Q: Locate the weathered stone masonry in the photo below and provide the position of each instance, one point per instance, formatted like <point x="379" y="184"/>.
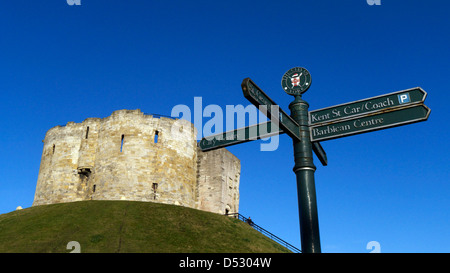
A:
<point x="133" y="156"/>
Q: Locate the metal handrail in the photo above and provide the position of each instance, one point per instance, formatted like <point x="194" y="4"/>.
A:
<point x="265" y="232"/>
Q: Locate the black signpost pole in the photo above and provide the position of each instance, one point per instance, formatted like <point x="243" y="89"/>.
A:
<point x="304" y="169"/>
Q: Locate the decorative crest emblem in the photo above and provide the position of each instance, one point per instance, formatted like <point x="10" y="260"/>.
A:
<point x="296" y="81"/>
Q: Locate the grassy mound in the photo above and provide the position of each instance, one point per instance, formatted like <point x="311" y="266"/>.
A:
<point x="128" y="226"/>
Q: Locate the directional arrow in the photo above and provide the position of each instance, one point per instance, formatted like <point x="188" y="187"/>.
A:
<point x="367" y="106"/>
<point x="256" y="96"/>
<point x="370" y="122"/>
<point x="254" y="132"/>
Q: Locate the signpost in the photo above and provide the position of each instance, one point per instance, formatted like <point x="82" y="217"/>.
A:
<point x="254" y="132"/>
<point x="368" y="123"/>
<point x="308" y="128"/>
<point x="256" y="96"/>
<point x="368" y="106"/>
<point x="320" y="153"/>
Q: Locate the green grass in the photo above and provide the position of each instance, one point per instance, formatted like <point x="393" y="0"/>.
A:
<point x="128" y="227"/>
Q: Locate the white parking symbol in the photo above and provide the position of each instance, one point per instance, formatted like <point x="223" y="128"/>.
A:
<point x="404" y="98"/>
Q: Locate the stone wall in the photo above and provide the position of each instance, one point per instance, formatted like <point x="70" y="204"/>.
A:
<point x="218" y="177"/>
<point x="132" y="156"/>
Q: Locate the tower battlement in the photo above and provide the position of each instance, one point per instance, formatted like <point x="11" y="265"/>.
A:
<point x="134" y="156"/>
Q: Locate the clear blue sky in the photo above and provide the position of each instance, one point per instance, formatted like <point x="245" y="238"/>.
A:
<point x="61" y="63"/>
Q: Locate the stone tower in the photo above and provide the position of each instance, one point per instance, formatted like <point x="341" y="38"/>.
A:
<point x="133" y="156"/>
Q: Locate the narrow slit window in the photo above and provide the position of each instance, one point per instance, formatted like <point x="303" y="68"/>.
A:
<point x="93" y="188"/>
<point x="154" y="187"/>
<point x="156" y="136"/>
<point x="121" y="143"/>
<point x="87" y="132"/>
<point x="53" y="151"/>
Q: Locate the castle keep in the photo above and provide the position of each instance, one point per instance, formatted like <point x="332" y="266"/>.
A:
<point x="133" y="156"/>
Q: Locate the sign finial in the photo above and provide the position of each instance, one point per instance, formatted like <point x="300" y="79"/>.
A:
<point x="296" y="81"/>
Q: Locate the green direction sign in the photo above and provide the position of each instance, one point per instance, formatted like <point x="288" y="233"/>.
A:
<point x="367" y="106"/>
<point x="320" y="153"/>
<point x="368" y="123"/>
<point x="254" y="132"/>
<point x="256" y="96"/>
